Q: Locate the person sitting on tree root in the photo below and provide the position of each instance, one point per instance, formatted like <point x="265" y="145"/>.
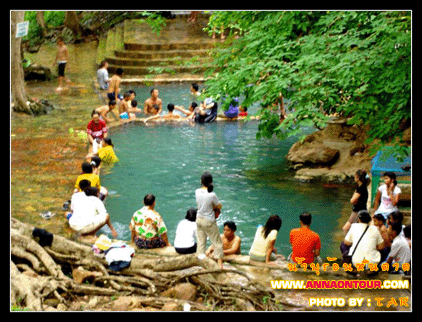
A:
<point x="147" y="227"/>
<point x="90" y="214"/>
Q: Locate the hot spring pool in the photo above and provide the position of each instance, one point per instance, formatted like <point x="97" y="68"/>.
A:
<point x="251" y="179"/>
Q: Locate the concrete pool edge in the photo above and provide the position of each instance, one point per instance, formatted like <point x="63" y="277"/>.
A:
<point x="163" y="79"/>
<point x="119" y="123"/>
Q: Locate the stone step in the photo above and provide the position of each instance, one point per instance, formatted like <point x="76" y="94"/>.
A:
<point x="170" y="46"/>
<point x="163" y="78"/>
<point x="146" y="70"/>
<point x="113" y="42"/>
<point x="101" y="50"/>
<point x="161" y="54"/>
<point x="180" y="51"/>
<point x="177" y="34"/>
<point x="115" y="39"/>
<point x="163" y="62"/>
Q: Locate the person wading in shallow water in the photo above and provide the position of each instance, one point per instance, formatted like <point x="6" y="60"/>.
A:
<point x="62" y="57"/>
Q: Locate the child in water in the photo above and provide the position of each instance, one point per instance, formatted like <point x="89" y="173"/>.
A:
<point x="106" y="152"/>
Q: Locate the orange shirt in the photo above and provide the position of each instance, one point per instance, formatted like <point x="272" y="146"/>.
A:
<point x="304" y="241"/>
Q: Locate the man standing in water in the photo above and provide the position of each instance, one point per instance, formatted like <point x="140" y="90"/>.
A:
<point x="114" y="86"/>
<point x="154" y="104"/>
<point x="62" y="58"/>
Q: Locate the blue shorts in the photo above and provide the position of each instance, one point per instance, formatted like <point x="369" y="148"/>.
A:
<point x="124" y="116"/>
<point x="112" y="97"/>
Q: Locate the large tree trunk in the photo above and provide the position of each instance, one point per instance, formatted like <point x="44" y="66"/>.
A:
<point x="21" y="103"/>
<point x="41" y="22"/>
<point x="17" y="78"/>
<point x="71" y="21"/>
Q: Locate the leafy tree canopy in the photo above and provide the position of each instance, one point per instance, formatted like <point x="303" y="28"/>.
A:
<point x="357" y="64"/>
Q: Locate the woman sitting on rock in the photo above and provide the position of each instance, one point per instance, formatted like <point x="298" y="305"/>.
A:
<point x="185" y="243"/>
<point x="263" y="249"/>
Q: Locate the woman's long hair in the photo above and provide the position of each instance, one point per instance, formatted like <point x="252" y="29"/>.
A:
<point x="274" y="222"/>
<point x="363" y="177"/>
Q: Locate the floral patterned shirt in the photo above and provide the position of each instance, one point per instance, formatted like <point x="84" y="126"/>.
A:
<point x="148" y="223"/>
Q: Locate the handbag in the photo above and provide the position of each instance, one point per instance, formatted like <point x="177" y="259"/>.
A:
<point x="217" y="213"/>
<point x="347" y="259"/>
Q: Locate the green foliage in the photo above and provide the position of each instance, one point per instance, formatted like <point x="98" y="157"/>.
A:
<point x="357" y="64"/>
<point x="52" y="19"/>
<point x="154" y="19"/>
<point x="17" y="308"/>
<point x="106" y="19"/>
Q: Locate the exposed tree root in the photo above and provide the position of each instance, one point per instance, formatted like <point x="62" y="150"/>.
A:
<point x="39" y="273"/>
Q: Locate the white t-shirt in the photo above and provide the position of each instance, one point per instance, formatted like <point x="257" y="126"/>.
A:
<point x="85" y="212"/>
<point x="400" y="250"/>
<point x="76" y="197"/>
<point x="367" y="248"/>
<point x="185" y="234"/>
<point x="386" y="205"/>
<point x="102" y="77"/>
<point x="206" y="201"/>
<point x="260" y="244"/>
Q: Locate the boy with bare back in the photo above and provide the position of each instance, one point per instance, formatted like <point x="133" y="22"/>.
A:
<point x="106" y="109"/>
<point x="126" y="109"/>
<point x="62" y="57"/>
<point x="114" y="87"/>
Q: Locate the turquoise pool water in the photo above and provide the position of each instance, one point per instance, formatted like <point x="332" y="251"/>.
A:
<point x="251" y="179"/>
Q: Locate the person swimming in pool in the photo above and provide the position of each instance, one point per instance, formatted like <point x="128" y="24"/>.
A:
<point x="166" y="117"/>
<point x="124" y="107"/>
<point x="207" y="111"/>
<point x="128" y="106"/>
<point x="154" y="104"/>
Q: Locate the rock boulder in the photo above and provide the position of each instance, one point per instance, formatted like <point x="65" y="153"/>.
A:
<point x="183" y="291"/>
<point x="314" y="152"/>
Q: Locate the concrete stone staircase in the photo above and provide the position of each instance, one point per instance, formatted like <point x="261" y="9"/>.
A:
<point x="179" y="53"/>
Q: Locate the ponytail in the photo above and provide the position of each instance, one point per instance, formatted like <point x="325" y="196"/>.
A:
<point x="363" y="177"/>
<point x="206" y="181"/>
<point x="392" y="176"/>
